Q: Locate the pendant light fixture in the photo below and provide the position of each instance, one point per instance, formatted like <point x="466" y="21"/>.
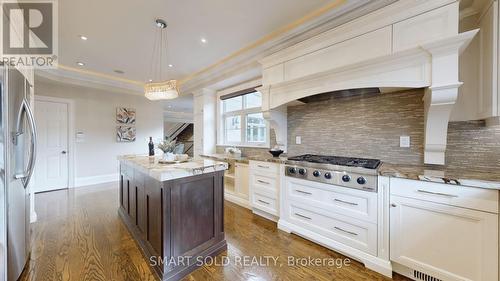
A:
<point x="156" y="88"/>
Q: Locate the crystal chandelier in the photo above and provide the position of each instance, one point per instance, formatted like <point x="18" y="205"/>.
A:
<point x="160" y="89"/>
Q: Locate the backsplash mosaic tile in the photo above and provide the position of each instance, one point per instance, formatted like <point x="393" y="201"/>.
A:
<point x="360" y="126"/>
<point x="370" y="126"/>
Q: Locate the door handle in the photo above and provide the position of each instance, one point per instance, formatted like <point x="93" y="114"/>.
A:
<point x="25" y="176"/>
<point x="345" y="231"/>
<point x="437" y="193"/>
<point x="63" y="152"/>
<point x="345" y="202"/>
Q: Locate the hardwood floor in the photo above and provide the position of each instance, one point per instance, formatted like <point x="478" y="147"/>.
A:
<point x="79" y="236"/>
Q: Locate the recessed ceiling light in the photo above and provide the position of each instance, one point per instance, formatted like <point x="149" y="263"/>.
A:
<point x="84" y="38"/>
<point x="170" y="65"/>
<point x="203" y="40"/>
<point x="80" y="63"/>
<point x="119" y="71"/>
<point x="150" y="80"/>
<point x="169" y="106"/>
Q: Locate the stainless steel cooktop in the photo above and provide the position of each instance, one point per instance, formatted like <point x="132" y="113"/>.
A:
<point x="359" y="173"/>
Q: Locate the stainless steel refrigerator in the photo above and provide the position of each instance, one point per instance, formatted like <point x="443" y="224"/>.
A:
<point x="17" y="159"/>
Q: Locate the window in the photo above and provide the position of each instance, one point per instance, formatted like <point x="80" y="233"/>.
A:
<point x="242" y="121"/>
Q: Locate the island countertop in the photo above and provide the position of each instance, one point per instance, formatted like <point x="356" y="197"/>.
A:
<point x="165" y="172"/>
<point x="173" y="211"/>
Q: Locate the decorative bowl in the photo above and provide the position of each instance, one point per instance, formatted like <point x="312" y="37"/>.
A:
<point x="276" y="153"/>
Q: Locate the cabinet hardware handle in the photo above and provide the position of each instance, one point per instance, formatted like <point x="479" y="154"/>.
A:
<point x="261" y="166"/>
<point x="437" y="193"/>
<point x="264" y="182"/>
<point x="261" y="201"/>
<point x="302" y="216"/>
<point x="345" y="202"/>
<point x="393" y="205"/>
<point x="346" y="231"/>
<point x="303" y="192"/>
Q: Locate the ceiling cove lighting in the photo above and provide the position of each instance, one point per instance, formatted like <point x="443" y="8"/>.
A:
<point x="158" y="89"/>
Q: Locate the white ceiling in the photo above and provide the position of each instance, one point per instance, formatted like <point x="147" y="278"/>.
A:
<point x="121" y="32"/>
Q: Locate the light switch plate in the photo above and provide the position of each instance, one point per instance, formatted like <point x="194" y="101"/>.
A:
<point x="298" y="140"/>
<point x="404" y="141"/>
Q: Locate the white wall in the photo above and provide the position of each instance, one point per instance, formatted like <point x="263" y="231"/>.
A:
<point x="95" y="116"/>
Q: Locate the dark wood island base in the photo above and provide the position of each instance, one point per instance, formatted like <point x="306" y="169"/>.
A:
<point x="177" y="223"/>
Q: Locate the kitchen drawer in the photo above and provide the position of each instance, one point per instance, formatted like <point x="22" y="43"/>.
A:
<point x="264" y="167"/>
<point x="346" y="230"/>
<point x="264" y="182"/>
<point x="262" y="201"/>
<point x="454" y="195"/>
<point x="346" y="201"/>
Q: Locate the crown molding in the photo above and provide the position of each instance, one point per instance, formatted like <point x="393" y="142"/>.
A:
<point x="247" y="62"/>
<point x="240" y="66"/>
<point x="78" y="77"/>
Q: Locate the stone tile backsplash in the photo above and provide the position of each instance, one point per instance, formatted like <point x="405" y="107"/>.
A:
<point x="473" y="145"/>
<point x="360" y="126"/>
<point x="370" y="126"/>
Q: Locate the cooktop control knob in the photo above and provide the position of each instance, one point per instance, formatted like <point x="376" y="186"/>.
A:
<point x="346" y="178"/>
<point x="361" y="180"/>
<point x="292" y="170"/>
<point x="316" y="173"/>
<point x="302" y="171"/>
<point x="328" y="175"/>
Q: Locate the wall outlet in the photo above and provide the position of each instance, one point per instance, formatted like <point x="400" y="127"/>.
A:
<point x="404" y="141"/>
<point x="298" y="140"/>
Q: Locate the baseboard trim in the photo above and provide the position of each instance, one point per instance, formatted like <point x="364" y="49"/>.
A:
<point x="236" y="200"/>
<point x="85" y="181"/>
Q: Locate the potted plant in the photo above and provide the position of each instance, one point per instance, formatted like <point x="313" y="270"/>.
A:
<point x="168" y="146"/>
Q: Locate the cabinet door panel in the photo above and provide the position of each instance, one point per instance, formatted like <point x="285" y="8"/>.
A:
<point x="488" y="40"/>
<point x="241" y="180"/>
<point x="140" y="202"/>
<point x="125" y="193"/>
<point x="132" y="207"/>
<point x="446" y="242"/>
<point x="154" y="215"/>
<point x="122" y="187"/>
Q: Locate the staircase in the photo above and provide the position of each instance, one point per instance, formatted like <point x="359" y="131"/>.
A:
<point x="175" y="130"/>
<point x="183" y="132"/>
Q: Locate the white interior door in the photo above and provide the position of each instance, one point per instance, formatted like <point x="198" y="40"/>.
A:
<point x="51" y="171"/>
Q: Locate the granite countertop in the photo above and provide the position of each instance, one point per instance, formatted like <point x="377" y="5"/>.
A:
<point x="164" y="172"/>
<point x="226" y="157"/>
<point x="246" y="159"/>
<point x="270" y="158"/>
<point x="489" y="179"/>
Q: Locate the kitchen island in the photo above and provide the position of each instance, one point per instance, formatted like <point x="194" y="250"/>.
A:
<point x="173" y="211"/>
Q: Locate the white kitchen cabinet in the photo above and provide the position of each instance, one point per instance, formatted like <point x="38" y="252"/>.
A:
<point x="264" y="188"/>
<point x="488" y="71"/>
<point x="236" y="184"/>
<point x="347" y="220"/>
<point x="479" y="96"/>
<point x="435" y="232"/>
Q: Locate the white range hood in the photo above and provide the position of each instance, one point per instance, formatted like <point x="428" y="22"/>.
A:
<point x="408" y="44"/>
